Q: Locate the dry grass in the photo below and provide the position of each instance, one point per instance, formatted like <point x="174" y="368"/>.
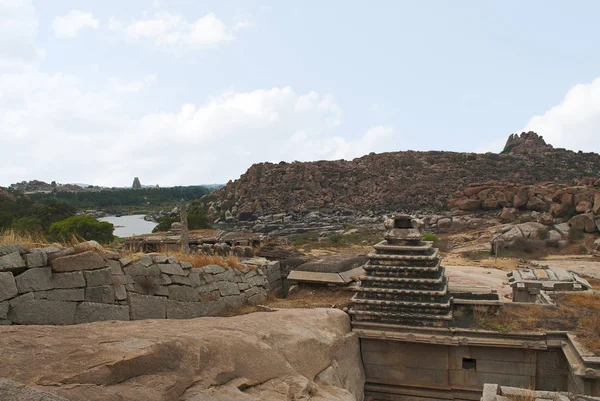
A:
<point x="308" y="297"/>
<point x="202" y="259"/>
<point x="30" y="240"/>
<point x="578" y="313"/>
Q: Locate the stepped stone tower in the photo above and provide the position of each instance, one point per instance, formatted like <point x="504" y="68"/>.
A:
<point x="136" y="183"/>
<point x="404" y="282"/>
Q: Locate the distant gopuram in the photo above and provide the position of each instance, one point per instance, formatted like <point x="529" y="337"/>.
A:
<point x="404" y="282"/>
<point x="136" y="183"/>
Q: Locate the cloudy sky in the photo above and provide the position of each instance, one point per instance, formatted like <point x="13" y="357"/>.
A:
<point x="183" y="92"/>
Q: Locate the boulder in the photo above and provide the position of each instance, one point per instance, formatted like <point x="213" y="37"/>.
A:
<point x="520" y="199"/>
<point x="583" y="207"/>
<point x="584" y="222"/>
<point x="8" y="287"/>
<point x="36" y="259"/>
<point x="36" y="279"/>
<point x="508" y="215"/>
<point x="12" y="262"/>
<point x="6" y="249"/>
<point x="195" y="359"/>
<point x="597" y="245"/>
<point x="596" y="207"/>
<point x="545" y="218"/>
<point x="88" y="260"/>
<point x="444" y="223"/>
<point x="468" y="205"/>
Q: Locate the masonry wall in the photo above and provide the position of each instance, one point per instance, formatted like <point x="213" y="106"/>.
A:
<point x="84" y="284"/>
<point x="430" y="371"/>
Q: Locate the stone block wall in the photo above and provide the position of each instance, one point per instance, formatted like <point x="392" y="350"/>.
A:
<point x="86" y="284"/>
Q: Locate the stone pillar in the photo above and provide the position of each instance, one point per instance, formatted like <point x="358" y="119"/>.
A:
<point x="185" y="238"/>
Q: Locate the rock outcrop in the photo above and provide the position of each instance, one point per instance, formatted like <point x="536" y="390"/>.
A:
<point x="387" y="182"/>
<point x="288" y="354"/>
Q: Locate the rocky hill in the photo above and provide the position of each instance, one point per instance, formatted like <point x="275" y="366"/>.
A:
<point x="386" y="182"/>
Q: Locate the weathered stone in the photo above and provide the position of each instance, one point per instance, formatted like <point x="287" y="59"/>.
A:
<point x="14" y="391"/>
<point x="147" y="307"/>
<point x="228" y="288"/>
<point x="195" y="279"/>
<point x="36" y="259"/>
<point x="183" y="293"/>
<point x="562" y="228"/>
<point x="68" y="280"/>
<point x="159" y="258"/>
<point x="4" y="309"/>
<point x="257" y="298"/>
<point x="186" y="265"/>
<point x="227" y="275"/>
<point x="6" y="249"/>
<point x="207" y="288"/>
<point x="60" y="253"/>
<point x="89" y="260"/>
<point x="596" y="207"/>
<point x="583" y="222"/>
<point x="12" y="261"/>
<point x="94" y="278"/>
<point x="545" y="219"/>
<point x="8" y="287"/>
<point x="36" y="279"/>
<point x="213" y="269"/>
<point x="597" y="245"/>
<point x="87" y="312"/>
<point x="43" y="312"/>
<point x="174" y="269"/>
<point x="21" y="298"/>
<point x="124" y="261"/>
<point x="520" y="199"/>
<point x="172" y="260"/>
<point x="71" y="294"/>
<point x="508" y="214"/>
<point x="160" y="290"/>
<point x="120" y="292"/>
<point x="104" y="294"/>
<point x="583" y="207"/>
<point x="140" y="269"/>
<point x="233" y="301"/>
<point x="115" y="267"/>
<point x="190" y="310"/>
<point x="181" y="280"/>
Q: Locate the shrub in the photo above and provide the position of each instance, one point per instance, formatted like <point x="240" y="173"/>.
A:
<point x="27" y="225"/>
<point x="85" y="227"/>
<point x="335" y="239"/>
<point x="430" y="237"/>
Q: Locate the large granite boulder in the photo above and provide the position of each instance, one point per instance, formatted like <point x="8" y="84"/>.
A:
<point x="583" y="222"/>
<point x="306" y="353"/>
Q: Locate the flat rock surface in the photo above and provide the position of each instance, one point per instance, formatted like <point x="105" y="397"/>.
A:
<point x="480" y="276"/>
<point x="156" y="360"/>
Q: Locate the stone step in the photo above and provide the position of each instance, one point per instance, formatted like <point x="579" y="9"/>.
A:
<point x="377" y="302"/>
<point x="376" y="266"/>
<point x="388" y="315"/>
<point x="384" y="246"/>
<point x="377" y="256"/>
<point x="405" y="291"/>
<point x="410" y="280"/>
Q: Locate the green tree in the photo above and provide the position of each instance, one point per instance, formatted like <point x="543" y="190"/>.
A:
<point x="27" y="225"/>
<point x="85" y="227"/>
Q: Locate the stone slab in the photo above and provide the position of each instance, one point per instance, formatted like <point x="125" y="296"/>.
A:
<point x="181" y="280"/>
<point x="89" y="260"/>
<point x="8" y="287"/>
<point x="352" y="275"/>
<point x="190" y="310"/>
<point x="174" y="269"/>
<point x="94" y="278"/>
<point x="103" y="294"/>
<point x="21" y="298"/>
<point x="68" y="280"/>
<point x="70" y="294"/>
<point x="183" y="293"/>
<point x="43" y="312"/>
<point x="314" y="277"/>
<point x="36" y="279"/>
<point x="213" y="269"/>
<point x="147" y="307"/>
<point x="228" y="288"/>
<point x="87" y="312"/>
<point x="4" y="309"/>
<point x="6" y="249"/>
<point x="12" y="261"/>
<point x="36" y="259"/>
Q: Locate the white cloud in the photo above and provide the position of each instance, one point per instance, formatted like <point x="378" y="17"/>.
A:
<point x="575" y="122"/>
<point x="57" y="130"/>
<point x="133" y="86"/>
<point x="175" y="34"/>
<point x="69" y="25"/>
<point x="18" y="27"/>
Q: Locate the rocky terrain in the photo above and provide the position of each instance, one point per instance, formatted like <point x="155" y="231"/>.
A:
<point x="289" y="354"/>
<point x="376" y="184"/>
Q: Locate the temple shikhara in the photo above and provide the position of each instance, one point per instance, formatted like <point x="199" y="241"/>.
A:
<point x="404" y="282"/>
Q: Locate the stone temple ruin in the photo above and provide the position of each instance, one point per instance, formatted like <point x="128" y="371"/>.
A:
<point x="404" y="282"/>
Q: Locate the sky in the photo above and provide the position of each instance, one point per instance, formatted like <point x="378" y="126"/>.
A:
<point x="188" y="92"/>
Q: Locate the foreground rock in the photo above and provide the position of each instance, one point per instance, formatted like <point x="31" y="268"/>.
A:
<point x="289" y="354"/>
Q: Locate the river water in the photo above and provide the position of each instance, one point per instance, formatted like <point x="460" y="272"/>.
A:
<point x="126" y="226"/>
